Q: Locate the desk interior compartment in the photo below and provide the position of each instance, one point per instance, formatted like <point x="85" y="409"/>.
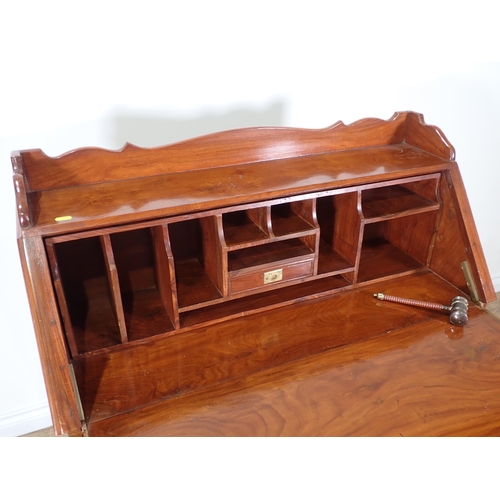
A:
<point x="272" y="253"/>
<point x="402" y="199"/>
<point x="85" y="297"/>
<point x="293" y="218"/>
<point x="199" y="261"/>
<point x="246" y="227"/>
<point x="144" y="276"/>
<point x="396" y="246"/>
<point x="339" y="224"/>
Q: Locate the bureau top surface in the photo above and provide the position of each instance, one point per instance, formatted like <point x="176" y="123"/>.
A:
<point x="100" y="204"/>
<point x="90" y="188"/>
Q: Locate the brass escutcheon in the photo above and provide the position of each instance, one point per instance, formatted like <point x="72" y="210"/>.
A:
<point x="273" y="276"/>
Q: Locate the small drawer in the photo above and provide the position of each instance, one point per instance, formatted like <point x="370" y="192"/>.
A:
<point x="243" y="281"/>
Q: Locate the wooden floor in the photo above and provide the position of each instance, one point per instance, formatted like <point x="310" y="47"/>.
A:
<point x="398" y="383"/>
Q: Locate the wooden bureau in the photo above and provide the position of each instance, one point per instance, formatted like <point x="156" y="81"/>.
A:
<point x="224" y="285"/>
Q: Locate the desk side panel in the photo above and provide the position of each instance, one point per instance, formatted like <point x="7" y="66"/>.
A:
<point x="457" y="240"/>
<point x="63" y="400"/>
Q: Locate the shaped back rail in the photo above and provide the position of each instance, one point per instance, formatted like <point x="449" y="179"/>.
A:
<point x="233" y="147"/>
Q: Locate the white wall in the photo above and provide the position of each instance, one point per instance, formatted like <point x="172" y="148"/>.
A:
<point x="100" y="73"/>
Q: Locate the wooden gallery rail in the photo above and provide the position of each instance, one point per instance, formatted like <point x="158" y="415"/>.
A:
<point x="225" y="285"/>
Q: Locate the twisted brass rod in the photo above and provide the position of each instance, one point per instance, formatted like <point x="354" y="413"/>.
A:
<point x="412" y="302"/>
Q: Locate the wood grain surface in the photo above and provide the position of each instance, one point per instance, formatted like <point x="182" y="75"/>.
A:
<point x="429" y="379"/>
<point x="224" y="285"/>
<point x="128" y="200"/>
<point x="168" y="370"/>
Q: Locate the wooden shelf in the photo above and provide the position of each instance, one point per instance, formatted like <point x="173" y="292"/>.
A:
<point x="175" y="193"/>
<point x="393" y="201"/>
<point x="277" y="251"/>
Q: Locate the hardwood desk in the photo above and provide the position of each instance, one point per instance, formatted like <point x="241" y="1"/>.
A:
<point x="224" y="285"/>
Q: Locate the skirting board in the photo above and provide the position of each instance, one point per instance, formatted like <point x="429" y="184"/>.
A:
<point x="25" y="420"/>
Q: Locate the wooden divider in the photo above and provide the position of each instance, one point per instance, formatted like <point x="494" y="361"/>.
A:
<point x="114" y="284"/>
<point x="165" y="272"/>
<point x="61" y="299"/>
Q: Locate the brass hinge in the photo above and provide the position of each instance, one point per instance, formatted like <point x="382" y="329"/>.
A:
<point x="75" y="388"/>
<point x="470" y="282"/>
